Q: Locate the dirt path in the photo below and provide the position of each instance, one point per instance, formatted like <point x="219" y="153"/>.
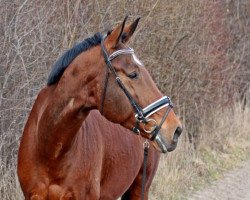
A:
<point x="234" y="186"/>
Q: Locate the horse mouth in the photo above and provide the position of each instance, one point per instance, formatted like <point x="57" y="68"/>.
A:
<point x="162" y="146"/>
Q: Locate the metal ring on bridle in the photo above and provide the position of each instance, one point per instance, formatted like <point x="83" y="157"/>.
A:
<point x="152" y="128"/>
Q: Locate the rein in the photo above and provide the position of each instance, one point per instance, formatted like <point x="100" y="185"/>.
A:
<point x="144" y="172"/>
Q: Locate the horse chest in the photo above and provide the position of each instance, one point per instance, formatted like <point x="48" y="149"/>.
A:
<point x="83" y="184"/>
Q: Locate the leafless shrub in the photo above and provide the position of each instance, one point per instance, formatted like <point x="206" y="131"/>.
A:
<point x="197" y="51"/>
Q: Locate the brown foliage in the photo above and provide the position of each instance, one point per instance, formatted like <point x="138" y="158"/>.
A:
<point x="197" y="51"/>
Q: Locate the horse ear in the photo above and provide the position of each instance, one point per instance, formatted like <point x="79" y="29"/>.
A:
<point x="129" y="30"/>
<point x="114" y="37"/>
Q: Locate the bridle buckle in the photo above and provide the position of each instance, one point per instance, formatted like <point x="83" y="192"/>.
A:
<point x="146" y="144"/>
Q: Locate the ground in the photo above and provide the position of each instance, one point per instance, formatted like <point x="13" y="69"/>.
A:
<point x="234" y="186"/>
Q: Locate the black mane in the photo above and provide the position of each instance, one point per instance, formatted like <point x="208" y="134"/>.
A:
<point x="63" y="62"/>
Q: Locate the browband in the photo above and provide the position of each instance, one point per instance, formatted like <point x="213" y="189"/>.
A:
<point x="121" y="52"/>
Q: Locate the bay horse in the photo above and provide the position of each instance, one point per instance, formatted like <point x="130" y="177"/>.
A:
<point x="77" y="142"/>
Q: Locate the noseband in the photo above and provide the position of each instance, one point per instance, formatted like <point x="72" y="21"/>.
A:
<point x="141" y="115"/>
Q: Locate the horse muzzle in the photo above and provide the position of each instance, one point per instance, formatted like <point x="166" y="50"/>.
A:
<point x="164" y="146"/>
<point x="153" y="129"/>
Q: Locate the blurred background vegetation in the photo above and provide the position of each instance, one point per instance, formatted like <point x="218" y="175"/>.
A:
<point x="198" y="52"/>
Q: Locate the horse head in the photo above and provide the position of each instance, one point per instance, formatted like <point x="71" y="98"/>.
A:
<point x="128" y="94"/>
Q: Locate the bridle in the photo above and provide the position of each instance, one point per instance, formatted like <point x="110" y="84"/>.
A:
<point x="141" y="115"/>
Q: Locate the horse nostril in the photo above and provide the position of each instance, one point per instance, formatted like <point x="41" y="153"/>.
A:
<point x="177" y="132"/>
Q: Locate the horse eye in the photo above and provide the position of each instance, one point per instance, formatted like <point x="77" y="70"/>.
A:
<point x="133" y="75"/>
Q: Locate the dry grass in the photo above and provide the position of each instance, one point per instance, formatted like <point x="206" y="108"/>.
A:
<point x="225" y="142"/>
<point x="9" y="184"/>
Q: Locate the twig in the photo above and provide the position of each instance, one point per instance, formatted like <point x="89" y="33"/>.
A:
<point x="176" y="44"/>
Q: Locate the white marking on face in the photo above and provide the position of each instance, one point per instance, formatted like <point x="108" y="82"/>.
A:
<point x="137" y="61"/>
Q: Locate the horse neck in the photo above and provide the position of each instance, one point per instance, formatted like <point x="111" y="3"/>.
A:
<point x="63" y="111"/>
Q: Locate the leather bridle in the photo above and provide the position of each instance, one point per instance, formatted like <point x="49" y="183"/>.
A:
<point x="141" y="115"/>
